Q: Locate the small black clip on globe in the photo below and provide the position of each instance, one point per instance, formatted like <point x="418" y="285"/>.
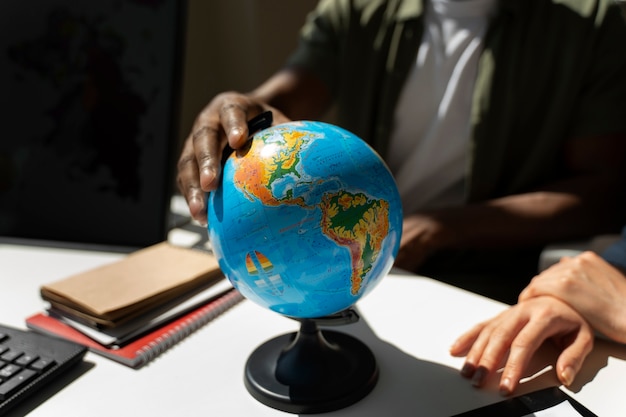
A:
<point x="259" y="122"/>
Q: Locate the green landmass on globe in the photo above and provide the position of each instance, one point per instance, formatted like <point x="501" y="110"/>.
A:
<point x="360" y="224"/>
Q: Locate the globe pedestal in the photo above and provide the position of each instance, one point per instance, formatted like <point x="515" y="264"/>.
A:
<point x="311" y="371"/>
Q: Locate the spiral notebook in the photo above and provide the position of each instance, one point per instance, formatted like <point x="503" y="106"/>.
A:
<point x="144" y="349"/>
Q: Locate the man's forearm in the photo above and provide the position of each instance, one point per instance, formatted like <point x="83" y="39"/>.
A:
<point x="572" y="209"/>
<point x="297" y="94"/>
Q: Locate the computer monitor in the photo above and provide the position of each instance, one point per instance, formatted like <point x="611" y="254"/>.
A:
<point x="89" y="105"/>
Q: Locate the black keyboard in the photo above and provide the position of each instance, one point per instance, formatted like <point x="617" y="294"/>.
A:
<point x="29" y="361"/>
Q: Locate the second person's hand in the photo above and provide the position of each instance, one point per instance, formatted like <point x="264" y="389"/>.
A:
<point x="589" y="284"/>
<point x="512" y="337"/>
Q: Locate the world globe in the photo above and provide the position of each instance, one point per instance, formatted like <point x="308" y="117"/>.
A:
<point x="307" y="219"/>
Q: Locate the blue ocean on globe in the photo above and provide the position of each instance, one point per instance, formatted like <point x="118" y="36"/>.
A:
<point x="307" y="220"/>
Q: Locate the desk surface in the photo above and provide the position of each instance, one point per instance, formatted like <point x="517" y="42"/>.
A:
<point x="408" y="321"/>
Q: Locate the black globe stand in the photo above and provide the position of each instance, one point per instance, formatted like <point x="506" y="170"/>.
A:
<point x="311" y="371"/>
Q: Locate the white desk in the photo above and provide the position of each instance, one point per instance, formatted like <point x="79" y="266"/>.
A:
<point x="408" y="322"/>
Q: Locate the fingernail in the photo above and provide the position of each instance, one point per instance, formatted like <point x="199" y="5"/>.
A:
<point x="506" y="387"/>
<point x="196" y="204"/>
<point x="468" y="370"/>
<point x="195" y="201"/>
<point x="567" y="376"/>
<point x="208" y="172"/>
<point x="235" y="132"/>
<point x="207" y="176"/>
<point x="479" y="376"/>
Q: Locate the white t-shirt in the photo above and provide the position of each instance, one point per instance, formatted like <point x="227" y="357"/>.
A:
<point x="429" y="143"/>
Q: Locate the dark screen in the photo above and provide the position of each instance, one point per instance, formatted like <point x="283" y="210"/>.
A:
<point x="88" y="110"/>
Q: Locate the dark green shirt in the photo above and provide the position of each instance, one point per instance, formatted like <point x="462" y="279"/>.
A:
<point x="550" y="70"/>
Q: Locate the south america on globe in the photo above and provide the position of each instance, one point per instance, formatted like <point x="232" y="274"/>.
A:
<point x="307" y="219"/>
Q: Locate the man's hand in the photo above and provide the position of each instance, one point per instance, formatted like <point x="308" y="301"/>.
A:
<point x="223" y="121"/>
<point x="297" y="94"/>
<point x="421" y="237"/>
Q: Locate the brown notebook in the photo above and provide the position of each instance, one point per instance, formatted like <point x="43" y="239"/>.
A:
<point x="114" y="293"/>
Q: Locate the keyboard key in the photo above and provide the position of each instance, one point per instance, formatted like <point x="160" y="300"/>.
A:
<point x="42" y="364"/>
<point x="26" y="359"/>
<point x="11" y="355"/>
<point x="8" y="371"/>
<point x="11" y="386"/>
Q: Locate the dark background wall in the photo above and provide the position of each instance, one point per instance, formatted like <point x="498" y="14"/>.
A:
<point x="235" y="45"/>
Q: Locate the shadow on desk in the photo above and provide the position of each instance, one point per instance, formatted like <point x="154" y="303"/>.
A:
<point x="596" y="361"/>
<point x="63" y="381"/>
<point x="410" y="386"/>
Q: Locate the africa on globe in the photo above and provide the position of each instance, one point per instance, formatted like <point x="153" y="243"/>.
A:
<point x="307" y="220"/>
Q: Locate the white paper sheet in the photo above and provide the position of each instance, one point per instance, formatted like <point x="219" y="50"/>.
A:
<point x="563" y="409"/>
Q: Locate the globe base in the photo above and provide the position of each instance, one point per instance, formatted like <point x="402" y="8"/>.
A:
<point x="311" y="371"/>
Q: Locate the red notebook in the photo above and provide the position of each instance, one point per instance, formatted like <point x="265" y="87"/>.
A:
<point x="139" y="352"/>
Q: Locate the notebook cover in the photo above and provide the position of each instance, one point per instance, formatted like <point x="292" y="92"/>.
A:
<point x="133" y="284"/>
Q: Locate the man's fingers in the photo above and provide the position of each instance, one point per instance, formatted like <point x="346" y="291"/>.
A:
<point x="207" y="151"/>
<point x="223" y="122"/>
<point x="234" y="117"/>
<point x="189" y="183"/>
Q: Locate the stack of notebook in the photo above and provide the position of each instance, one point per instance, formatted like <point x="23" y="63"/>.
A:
<point x="134" y="309"/>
